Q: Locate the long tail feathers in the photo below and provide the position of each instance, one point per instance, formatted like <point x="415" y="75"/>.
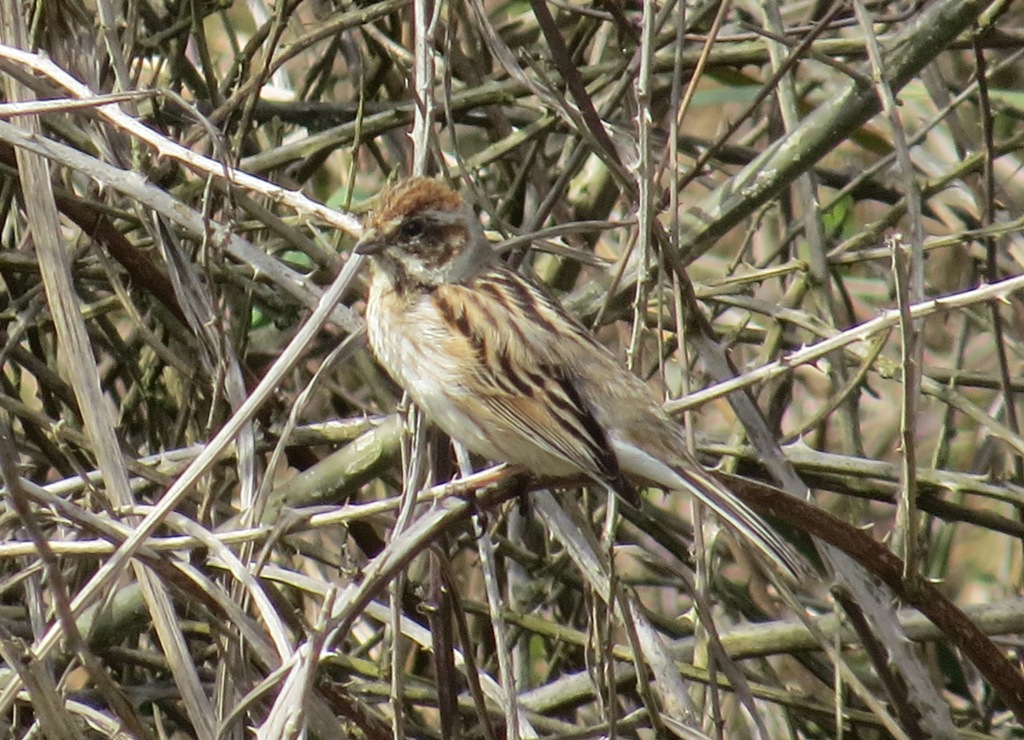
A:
<point x="742" y="518"/>
<point x="688" y="476"/>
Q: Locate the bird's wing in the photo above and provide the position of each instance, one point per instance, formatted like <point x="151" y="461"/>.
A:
<point x="552" y="415"/>
<point x="522" y="375"/>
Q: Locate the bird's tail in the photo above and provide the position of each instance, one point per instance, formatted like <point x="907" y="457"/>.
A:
<point x="733" y="511"/>
<point x="685" y="474"/>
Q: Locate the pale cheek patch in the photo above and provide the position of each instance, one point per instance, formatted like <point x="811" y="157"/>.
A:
<point x="417" y="270"/>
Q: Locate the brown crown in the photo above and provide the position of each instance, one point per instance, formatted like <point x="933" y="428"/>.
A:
<point x="411" y="196"/>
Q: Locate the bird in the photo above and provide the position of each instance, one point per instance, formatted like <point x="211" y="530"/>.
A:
<point x="496" y="362"/>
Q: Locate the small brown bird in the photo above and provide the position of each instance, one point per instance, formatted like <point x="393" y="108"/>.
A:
<point x="501" y="367"/>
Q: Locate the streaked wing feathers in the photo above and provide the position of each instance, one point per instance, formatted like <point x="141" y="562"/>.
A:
<point x="564" y="426"/>
<point x="523" y="376"/>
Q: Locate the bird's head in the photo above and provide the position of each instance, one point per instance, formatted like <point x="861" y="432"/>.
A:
<point x="422" y="234"/>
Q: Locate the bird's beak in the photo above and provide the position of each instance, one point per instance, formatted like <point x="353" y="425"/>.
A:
<point x="369" y="243"/>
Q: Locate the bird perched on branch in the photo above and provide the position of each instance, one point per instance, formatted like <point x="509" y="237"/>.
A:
<point x="500" y="366"/>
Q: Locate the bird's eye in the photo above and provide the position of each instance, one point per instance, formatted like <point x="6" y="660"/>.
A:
<point x="412" y="229"/>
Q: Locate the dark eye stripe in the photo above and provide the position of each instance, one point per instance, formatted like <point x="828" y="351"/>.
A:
<point x="412" y="228"/>
<point x="423" y="237"/>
